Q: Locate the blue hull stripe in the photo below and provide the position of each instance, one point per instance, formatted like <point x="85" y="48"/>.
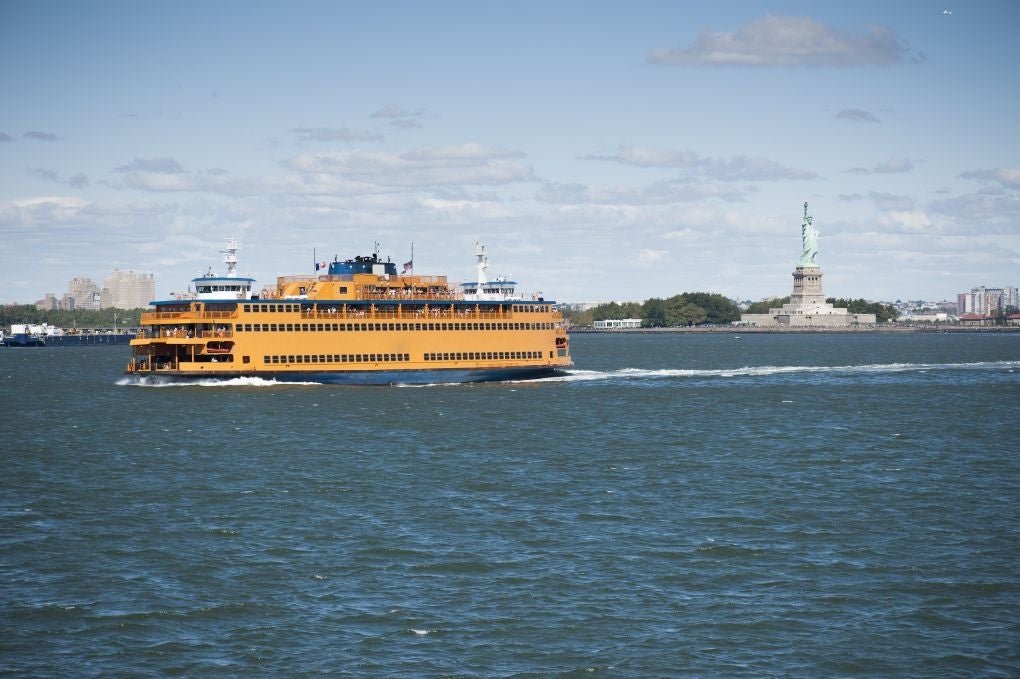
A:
<point x="370" y="377"/>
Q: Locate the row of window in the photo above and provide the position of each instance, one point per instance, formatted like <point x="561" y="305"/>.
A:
<point x="483" y="356"/>
<point x="368" y="327"/>
<point x="294" y="308"/>
<point x="337" y="358"/>
<point x="277" y="359"/>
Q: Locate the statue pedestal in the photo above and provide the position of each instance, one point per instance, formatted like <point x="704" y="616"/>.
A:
<point x="807" y="288"/>
<point x="807" y="307"/>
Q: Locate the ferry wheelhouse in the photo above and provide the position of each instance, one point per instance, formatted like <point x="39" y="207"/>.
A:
<point x="361" y="322"/>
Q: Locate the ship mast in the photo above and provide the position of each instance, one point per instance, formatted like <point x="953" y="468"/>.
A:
<point x="482" y="265"/>
<point x="230" y="256"/>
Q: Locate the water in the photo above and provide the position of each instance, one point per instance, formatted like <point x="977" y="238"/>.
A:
<point x="678" y="505"/>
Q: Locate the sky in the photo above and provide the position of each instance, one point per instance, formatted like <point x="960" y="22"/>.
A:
<point x="600" y="150"/>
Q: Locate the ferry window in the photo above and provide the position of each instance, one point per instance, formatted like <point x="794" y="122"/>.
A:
<point x="265" y="359"/>
<point x="343" y="289"/>
<point x="272" y="327"/>
<point x="315" y="359"/>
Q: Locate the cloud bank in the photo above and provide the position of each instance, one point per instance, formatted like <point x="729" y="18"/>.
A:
<point x="791" y="42"/>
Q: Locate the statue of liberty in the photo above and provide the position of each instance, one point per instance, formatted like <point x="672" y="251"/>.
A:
<point x="809" y="242"/>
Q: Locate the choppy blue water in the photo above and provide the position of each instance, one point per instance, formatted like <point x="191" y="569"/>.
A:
<point x="678" y="505"/>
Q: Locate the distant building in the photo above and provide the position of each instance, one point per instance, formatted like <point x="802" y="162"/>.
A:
<point x="48" y="303"/>
<point x="939" y="317"/>
<point x="987" y="301"/>
<point x="580" y="306"/>
<point x="129" y="290"/>
<point x="977" y="319"/>
<point x="617" y="324"/>
<point x="83" y="294"/>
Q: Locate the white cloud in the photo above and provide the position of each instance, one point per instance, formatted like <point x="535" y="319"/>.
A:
<point x="791" y="42"/>
<point x="906" y="220"/>
<point x="889" y="201"/>
<point x="651" y="256"/>
<point x="735" y="168"/>
<point x="1008" y="177"/>
<point x="894" y="165"/>
<point x="469" y="163"/>
<point x="856" y="115"/>
<point x="658" y="193"/>
<point x="335" y="134"/>
<point x="166" y="165"/>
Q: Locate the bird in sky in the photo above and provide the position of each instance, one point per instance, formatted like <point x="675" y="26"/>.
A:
<point x="947" y="11"/>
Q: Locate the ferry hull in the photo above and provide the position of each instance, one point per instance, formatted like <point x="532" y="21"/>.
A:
<point x="355" y="377"/>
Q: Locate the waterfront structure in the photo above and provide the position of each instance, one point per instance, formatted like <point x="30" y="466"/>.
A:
<point x="617" y="324"/>
<point x="807" y="306"/>
<point x="361" y="322"/>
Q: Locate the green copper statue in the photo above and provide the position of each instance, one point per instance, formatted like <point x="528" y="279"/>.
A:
<point x="809" y="242"/>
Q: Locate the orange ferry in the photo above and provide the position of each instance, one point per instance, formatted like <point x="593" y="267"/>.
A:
<point x="361" y="322"/>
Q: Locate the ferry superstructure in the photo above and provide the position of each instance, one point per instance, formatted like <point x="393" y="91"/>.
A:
<point x="361" y="322"/>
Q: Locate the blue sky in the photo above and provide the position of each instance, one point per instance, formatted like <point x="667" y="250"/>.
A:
<point x="601" y="150"/>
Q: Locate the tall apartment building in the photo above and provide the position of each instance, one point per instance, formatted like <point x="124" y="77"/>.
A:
<point x="987" y="301"/>
<point x="82" y="293"/>
<point x="129" y="290"/>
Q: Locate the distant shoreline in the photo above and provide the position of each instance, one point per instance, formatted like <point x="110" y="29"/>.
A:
<point x="746" y="330"/>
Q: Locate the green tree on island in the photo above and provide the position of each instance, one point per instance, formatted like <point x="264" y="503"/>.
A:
<point x="70" y="320"/>
<point x="683" y="310"/>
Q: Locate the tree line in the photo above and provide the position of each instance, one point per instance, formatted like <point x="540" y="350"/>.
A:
<point x="685" y="309"/>
<point x="81" y="318"/>
<point x="706" y="308"/>
<point x="883" y="312"/>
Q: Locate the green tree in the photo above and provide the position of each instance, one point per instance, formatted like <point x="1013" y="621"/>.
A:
<point x="100" y="318"/>
<point x="654" y="313"/>
<point x="883" y="312"/>
<point x="718" y="309"/>
<point x="763" y="306"/>
<point x="607" y="312"/>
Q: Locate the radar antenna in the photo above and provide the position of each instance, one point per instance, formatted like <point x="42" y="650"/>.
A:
<point x="230" y="256"/>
